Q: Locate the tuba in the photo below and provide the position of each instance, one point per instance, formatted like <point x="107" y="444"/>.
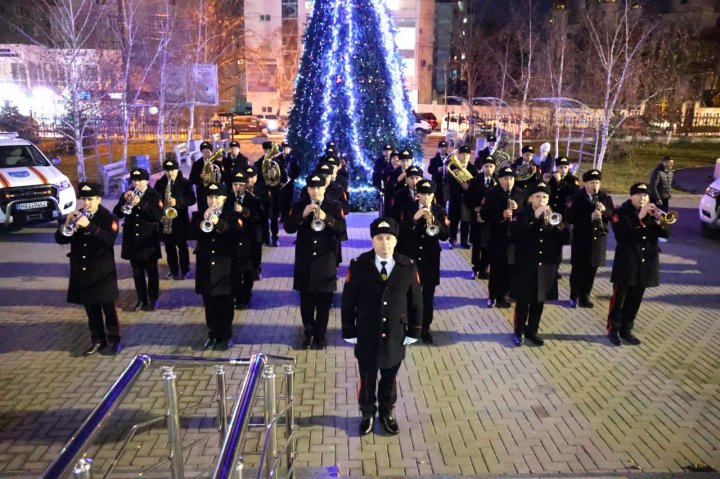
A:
<point x="212" y="169"/>
<point x="270" y="168"/>
<point x="525" y="171"/>
<point x="455" y="169"/>
<point x="170" y="212"/>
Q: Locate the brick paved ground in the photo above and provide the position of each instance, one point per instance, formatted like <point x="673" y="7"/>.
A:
<point x="471" y="404"/>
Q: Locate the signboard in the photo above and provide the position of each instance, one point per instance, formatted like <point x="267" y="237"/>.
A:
<point x="205" y="84"/>
<point x="196" y="83"/>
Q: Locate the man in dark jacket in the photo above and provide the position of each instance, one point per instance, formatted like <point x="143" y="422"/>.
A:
<point x="267" y="189"/>
<point x="215" y="254"/>
<point x="499" y="207"/>
<point x="143" y="208"/>
<point x="405" y="195"/>
<point x="91" y="234"/>
<point x="291" y="165"/>
<point x="537" y="246"/>
<point x="490" y="142"/>
<point x="232" y="162"/>
<point x="437" y="172"/>
<point x="637" y="261"/>
<point x="423" y="226"/>
<point x="319" y="224"/>
<point x="458" y="214"/>
<point x="244" y="218"/>
<point x="202" y="172"/>
<point x="661" y="184"/>
<point x="479" y="228"/>
<point x="380" y="164"/>
<point x="381" y="314"/>
<point x="180" y="196"/>
<point x="589" y="211"/>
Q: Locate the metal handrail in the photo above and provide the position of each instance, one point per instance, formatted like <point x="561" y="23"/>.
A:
<point x="75" y="447"/>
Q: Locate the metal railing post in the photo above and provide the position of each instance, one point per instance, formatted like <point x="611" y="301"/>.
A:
<point x="173" y="423"/>
<point x="269" y="379"/>
<point x="237" y="471"/>
<point x="290" y="415"/>
<point x="82" y="469"/>
<point x="222" y="401"/>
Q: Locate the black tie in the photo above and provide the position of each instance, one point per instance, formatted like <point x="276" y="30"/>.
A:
<point x="383" y="271"/>
<point x="487" y="182"/>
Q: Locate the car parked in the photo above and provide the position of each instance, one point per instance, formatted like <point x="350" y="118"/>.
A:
<point x="709" y="208"/>
<point x="269" y="122"/>
<point x="430" y="118"/>
<point x="32" y="190"/>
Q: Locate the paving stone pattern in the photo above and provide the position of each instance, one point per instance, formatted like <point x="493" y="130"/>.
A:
<point x="470" y="404"/>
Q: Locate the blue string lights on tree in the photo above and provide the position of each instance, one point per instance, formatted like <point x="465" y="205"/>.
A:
<point x="350" y="88"/>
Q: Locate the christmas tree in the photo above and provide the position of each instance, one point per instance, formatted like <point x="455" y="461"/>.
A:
<point x="350" y="88"/>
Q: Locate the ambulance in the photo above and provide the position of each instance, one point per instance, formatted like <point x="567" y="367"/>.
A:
<point x="32" y="190"/>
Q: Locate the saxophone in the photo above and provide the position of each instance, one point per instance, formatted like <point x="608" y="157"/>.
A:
<point x="170" y="212"/>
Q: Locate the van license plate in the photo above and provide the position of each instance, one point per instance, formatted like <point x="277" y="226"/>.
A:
<point x="31" y="206"/>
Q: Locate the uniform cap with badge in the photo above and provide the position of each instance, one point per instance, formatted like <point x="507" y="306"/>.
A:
<point x="89" y="190"/>
<point x="425" y="186"/>
<point x="465" y="149"/>
<point x="216" y="189"/>
<point x="414" y="171"/>
<point x="507" y="171"/>
<point x="561" y="161"/>
<point x="539" y="188"/>
<point x="591" y="175"/>
<point x="205" y="145"/>
<point x="406" y="155"/>
<point x="234" y="143"/>
<point x="442" y="144"/>
<point x="239" y="177"/>
<point x="250" y="171"/>
<point x="384" y="225"/>
<point x="139" y="174"/>
<point x="315" y="181"/>
<point x="528" y="149"/>
<point x="387" y="147"/>
<point x="639" y="189"/>
<point x="170" y="164"/>
<point x="267" y="145"/>
<point x="489" y="160"/>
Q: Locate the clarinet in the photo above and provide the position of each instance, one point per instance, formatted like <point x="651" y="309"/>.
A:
<point x="509" y="206"/>
<point x="597" y="223"/>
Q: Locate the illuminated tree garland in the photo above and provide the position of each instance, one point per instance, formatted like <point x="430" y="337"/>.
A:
<point x="350" y="88"/>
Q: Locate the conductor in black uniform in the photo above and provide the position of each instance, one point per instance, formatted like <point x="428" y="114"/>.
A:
<point x="381" y="314"/>
<point x="589" y="211"/>
<point x="437" y="172"/>
<point x="93" y="278"/>
<point x="637" y="261"/>
<point x="175" y="232"/>
<point x="499" y="207"/>
<point x="141" y="237"/>
<point x="424" y="224"/>
<point x="215" y="254"/>
<point x="457" y="213"/>
<point x="479" y="228"/>
<point x="319" y="224"/>
<point x="537" y="255"/>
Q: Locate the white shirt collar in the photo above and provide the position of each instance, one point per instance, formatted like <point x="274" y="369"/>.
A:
<point x="388" y="267"/>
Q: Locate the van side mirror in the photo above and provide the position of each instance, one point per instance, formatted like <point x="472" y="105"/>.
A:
<point x="55" y="161"/>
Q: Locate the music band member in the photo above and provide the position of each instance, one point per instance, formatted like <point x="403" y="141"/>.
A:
<point x="436" y="169"/>
<point x="381" y="164"/>
<point x="526" y="171"/>
<point x="178" y="194"/>
<point x="251" y="176"/>
<point x="381" y="314"/>
<point x="637" y="260"/>
<point x="490" y="142"/>
<point x="245" y="217"/>
<point x="91" y="233"/>
<point x="319" y="224"/>
<point x="479" y="229"/>
<point x="394" y="176"/>
<point x="498" y="208"/>
<point x="232" y="162"/>
<point x="562" y="184"/>
<point x="141" y="237"/>
<point x="289" y="163"/>
<point x="406" y="195"/>
<point x="203" y="172"/>
<point x="423" y="225"/>
<point x="457" y="212"/>
<point x="589" y="211"/>
<point x="271" y="176"/>
<point x="214" y="257"/>
<point x="537" y="254"/>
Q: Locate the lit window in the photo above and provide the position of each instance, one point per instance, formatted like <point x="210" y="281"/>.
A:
<point x="465" y="20"/>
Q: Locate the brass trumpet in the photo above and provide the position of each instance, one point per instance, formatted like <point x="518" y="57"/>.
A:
<point x="70" y="228"/>
<point x="207" y="225"/>
<point x="667" y="218"/>
<point x="128" y="206"/>
<point x="553" y="218"/>
<point x="317" y="224"/>
<point x="433" y="228"/>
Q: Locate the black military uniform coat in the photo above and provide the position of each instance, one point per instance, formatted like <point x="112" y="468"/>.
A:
<point x="473" y="197"/>
<point x="182" y="191"/>
<point x="637" y="257"/>
<point x="494" y="203"/>
<point x="230" y="165"/>
<point x="316" y="252"/>
<point x="399" y="201"/>
<point x="416" y="244"/>
<point x="245" y="227"/>
<point x="195" y="171"/>
<point x="381" y="313"/>
<point x="537" y="247"/>
<point x="589" y="242"/>
<point x="390" y="177"/>
<point x="533" y="180"/>
<point x="561" y="191"/>
<point x="435" y="170"/>
<point x="378" y="169"/>
<point x="93" y="278"/>
<point x="142" y="228"/>
<point x="214" y="253"/>
<point x="456" y="191"/>
<point x="482" y="154"/>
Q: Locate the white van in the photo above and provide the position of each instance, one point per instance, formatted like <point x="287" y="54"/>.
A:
<point x="32" y="190"/>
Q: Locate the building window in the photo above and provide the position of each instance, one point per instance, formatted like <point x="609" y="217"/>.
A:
<point x="264" y="18"/>
<point x="267" y="109"/>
